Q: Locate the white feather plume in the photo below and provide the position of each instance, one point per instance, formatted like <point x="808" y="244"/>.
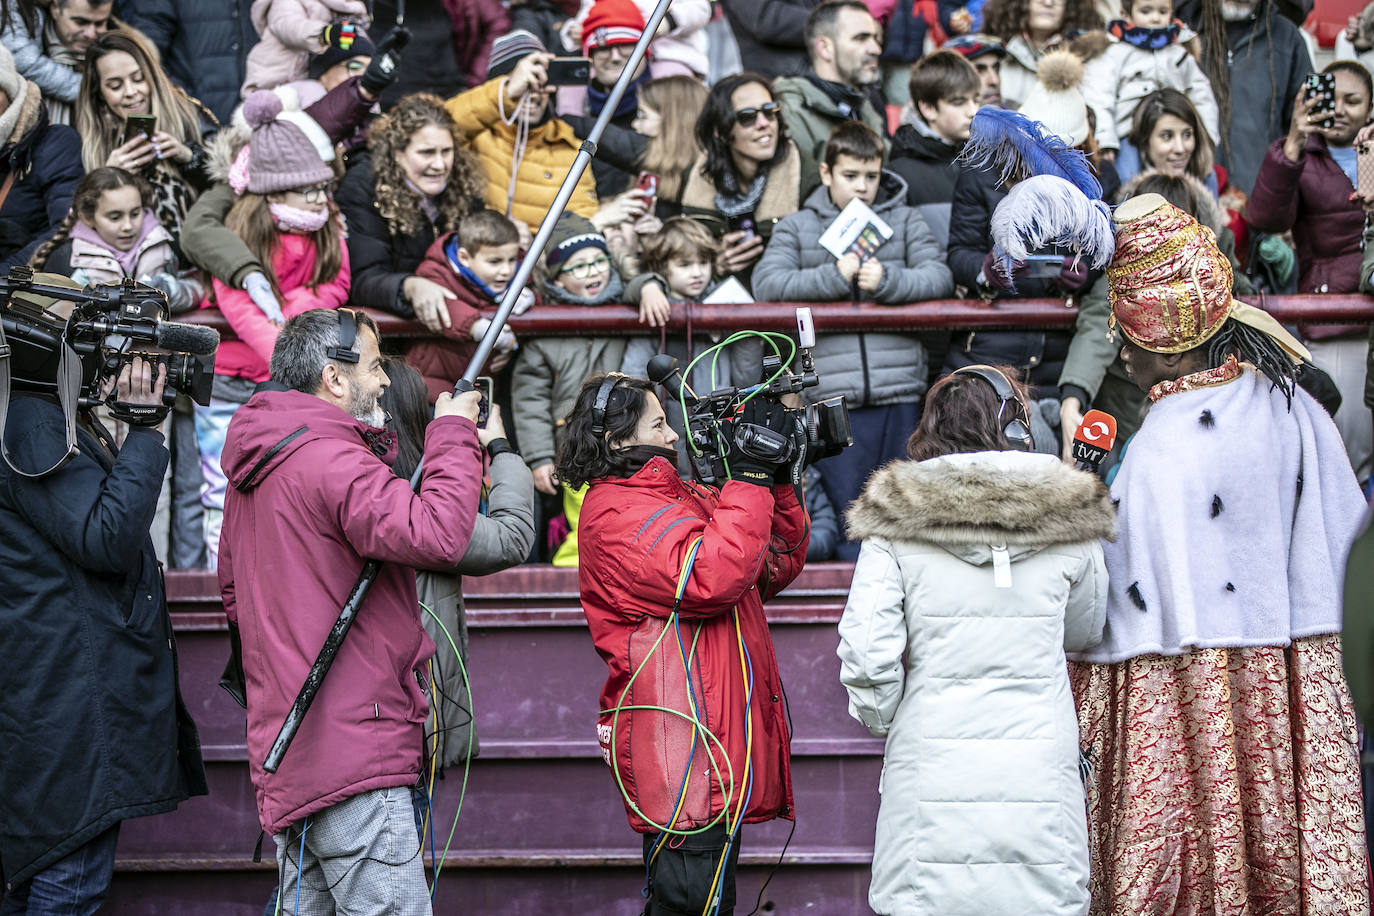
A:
<point x="1046" y="210"/>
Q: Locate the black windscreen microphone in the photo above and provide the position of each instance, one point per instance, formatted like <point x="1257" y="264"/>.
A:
<point x="662" y="370"/>
<point x="196" y="339"/>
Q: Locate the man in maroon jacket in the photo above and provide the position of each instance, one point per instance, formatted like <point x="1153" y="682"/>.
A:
<point x="313" y="497"/>
<point x="1305" y="184"/>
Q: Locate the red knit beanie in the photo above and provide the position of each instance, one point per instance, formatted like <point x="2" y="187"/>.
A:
<point x="611" y="22"/>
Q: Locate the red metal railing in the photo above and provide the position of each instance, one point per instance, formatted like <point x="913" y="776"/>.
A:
<point x="549" y="320"/>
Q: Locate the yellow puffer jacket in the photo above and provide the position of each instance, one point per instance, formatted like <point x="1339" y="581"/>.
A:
<point x="549" y="155"/>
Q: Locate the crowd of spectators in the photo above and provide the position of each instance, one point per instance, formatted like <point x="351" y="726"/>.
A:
<point x="271" y="158"/>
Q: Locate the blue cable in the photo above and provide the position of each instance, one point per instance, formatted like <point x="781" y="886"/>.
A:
<point x="433" y="859"/>
<point x="749" y="790"/>
<point x="300" y="864"/>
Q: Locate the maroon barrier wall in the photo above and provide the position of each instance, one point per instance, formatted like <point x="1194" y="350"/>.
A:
<point x="542" y="829"/>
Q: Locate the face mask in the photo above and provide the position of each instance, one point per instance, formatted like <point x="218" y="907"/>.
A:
<point x="295" y="220"/>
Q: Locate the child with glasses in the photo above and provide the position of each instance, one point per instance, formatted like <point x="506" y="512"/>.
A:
<point x="284" y="214"/>
<point x="549" y="370"/>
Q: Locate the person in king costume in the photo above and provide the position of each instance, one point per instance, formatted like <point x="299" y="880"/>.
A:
<point x="1218" y="734"/>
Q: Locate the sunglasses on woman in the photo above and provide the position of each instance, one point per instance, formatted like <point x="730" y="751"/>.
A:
<point x="746" y="117"/>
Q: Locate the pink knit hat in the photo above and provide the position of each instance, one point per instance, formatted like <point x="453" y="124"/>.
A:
<point x="281" y="157"/>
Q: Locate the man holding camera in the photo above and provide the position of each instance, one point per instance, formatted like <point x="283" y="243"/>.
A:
<point x="92" y="728"/>
<point x="312" y="498"/>
<point x="673" y="577"/>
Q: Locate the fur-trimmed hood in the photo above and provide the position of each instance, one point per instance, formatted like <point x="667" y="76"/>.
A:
<point x="1208" y="210"/>
<point x="1025" y="501"/>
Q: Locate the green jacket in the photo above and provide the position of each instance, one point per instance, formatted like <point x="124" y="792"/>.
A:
<point x="210" y="245"/>
<point x="1358" y="635"/>
<point x="1367" y="286"/>
<point x="809" y="115"/>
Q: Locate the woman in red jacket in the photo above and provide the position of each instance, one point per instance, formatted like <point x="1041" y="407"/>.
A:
<point x="673" y="578"/>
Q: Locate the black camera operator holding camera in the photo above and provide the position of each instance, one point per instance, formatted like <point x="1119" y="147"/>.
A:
<point x="673" y="577"/>
<point x="92" y="729"/>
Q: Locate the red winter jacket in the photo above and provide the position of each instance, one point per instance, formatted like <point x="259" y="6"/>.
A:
<point x="476" y="24"/>
<point x="312" y="497"/>
<point x="1312" y="197"/>
<point x="441" y="360"/>
<point x="633" y="536"/>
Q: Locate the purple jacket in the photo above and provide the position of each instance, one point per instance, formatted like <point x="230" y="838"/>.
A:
<point x="1312" y="197"/>
<point x="313" y="496"/>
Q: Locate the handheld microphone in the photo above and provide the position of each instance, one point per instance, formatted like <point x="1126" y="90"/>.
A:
<point x="1094" y="439"/>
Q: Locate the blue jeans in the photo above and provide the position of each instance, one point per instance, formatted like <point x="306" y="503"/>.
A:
<point x="73" y="886"/>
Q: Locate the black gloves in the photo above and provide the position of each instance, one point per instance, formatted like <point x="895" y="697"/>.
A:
<point x="763" y="442"/>
<point x="381" y="73"/>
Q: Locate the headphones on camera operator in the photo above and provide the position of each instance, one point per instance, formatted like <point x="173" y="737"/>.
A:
<point x="1017" y="429"/>
<point x="73" y="358"/>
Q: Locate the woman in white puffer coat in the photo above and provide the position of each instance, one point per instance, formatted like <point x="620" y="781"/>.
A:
<point x="980" y="565"/>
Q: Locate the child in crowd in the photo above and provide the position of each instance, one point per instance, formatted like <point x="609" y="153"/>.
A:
<point x="475" y="264"/>
<point x="292" y="30"/>
<point x="285" y="216"/>
<point x="944" y="98"/>
<point x="883" y="376"/>
<point x="549" y="371"/>
<point x="1148" y="51"/>
<point x="678" y="263"/>
<point x="112" y="234"/>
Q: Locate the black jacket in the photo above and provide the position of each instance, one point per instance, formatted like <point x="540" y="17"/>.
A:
<point x="1038" y="354"/>
<point x="769" y="34"/>
<point x="927" y="164"/>
<point x="92" y="728"/>
<point x="204" y="45"/>
<point x="46" y="162"/>
<point x="379" y="260"/>
<point x="1268" y="61"/>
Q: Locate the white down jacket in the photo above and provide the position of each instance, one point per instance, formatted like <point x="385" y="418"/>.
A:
<point x="1116" y="81"/>
<point x="976" y="572"/>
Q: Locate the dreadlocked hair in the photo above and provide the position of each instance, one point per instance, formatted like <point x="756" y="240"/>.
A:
<point x="1216" y="55"/>
<point x="86" y="200"/>
<point x="1257" y="348"/>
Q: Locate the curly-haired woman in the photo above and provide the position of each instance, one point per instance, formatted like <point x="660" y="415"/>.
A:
<point x="1029" y="28"/>
<point x="417" y="181"/>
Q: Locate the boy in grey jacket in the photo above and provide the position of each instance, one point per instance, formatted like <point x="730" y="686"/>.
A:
<point x="882" y="376"/>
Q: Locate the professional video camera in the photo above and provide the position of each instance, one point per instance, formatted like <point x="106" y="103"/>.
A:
<point x="715" y="431"/>
<point x="75" y="358"/>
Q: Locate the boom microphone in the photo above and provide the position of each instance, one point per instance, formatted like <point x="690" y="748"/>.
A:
<point x="195" y="339"/>
<point x="1094" y="439"/>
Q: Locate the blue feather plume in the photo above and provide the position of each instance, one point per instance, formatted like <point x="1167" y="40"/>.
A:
<point x="1020" y="148"/>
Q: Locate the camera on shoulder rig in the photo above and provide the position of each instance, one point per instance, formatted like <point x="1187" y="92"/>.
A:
<point x="75" y="358"/>
<point x="716" y="432"/>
